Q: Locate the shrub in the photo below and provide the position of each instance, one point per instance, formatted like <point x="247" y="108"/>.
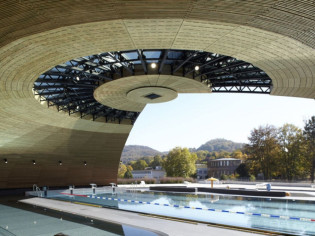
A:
<point x="149" y="181"/>
<point x="252" y="178"/>
<point x="191" y="180"/>
<point x="224" y="177"/>
<point x="234" y="176"/>
<point x="135" y="181"/>
<point x="128" y="174"/>
<point x="170" y="180"/>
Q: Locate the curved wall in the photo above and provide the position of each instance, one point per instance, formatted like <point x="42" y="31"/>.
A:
<point x="276" y="36"/>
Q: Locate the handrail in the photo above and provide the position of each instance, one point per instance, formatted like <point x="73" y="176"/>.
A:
<point x="34" y="187"/>
<point x="37" y="190"/>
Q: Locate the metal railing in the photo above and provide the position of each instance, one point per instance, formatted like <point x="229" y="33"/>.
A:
<point x="37" y="190"/>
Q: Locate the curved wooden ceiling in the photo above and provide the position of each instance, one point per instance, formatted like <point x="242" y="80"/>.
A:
<point x="277" y="36"/>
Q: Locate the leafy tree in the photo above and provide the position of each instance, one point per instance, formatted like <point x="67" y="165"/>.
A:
<point x="129" y="167"/>
<point x="131" y="163"/>
<point x="202" y="155"/>
<point x="263" y="151"/>
<point x="139" y="165"/>
<point x="309" y="133"/>
<point x="121" y="170"/>
<point x="292" y="158"/>
<point x="223" y="154"/>
<point x="180" y="163"/>
<point x="242" y="170"/>
<point x="238" y="154"/>
<point x="157" y="161"/>
<point x="128" y="174"/>
<point x="147" y="159"/>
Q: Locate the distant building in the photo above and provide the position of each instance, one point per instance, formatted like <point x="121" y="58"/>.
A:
<point x="158" y="168"/>
<point x="222" y="166"/>
<point x="202" y="171"/>
<point x="148" y="174"/>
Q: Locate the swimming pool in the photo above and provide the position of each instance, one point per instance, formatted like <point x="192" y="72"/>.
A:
<point x="17" y="219"/>
<point x="285" y="216"/>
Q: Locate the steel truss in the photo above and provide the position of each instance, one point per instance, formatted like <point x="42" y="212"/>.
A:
<point x="70" y="86"/>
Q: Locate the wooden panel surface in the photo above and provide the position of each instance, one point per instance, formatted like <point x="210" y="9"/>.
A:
<point x="49" y="145"/>
<point x="35" y="35"/>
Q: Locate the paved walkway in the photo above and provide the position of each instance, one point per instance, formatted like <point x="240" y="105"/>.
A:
<point x="172" y="228"/>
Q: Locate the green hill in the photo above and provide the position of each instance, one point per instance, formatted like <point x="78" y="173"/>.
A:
<point x="134" y="152"/>
<point x="217" y="145"/>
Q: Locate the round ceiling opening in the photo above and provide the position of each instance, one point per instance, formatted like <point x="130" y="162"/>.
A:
<point x="70" y="87"/>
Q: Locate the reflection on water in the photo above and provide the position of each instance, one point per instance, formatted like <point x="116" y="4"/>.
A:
<point x="17" y="219"/>
<point x="202" y="204"/>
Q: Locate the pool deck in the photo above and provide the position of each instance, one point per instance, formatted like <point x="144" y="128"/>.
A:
<point x="169" y="227"/>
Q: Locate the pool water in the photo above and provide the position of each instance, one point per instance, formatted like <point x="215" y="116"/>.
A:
<point x="18" y="219"/>
<point x="285" y="216"/>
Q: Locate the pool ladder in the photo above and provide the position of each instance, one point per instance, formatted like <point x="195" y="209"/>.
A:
<point x="37" y="190"/>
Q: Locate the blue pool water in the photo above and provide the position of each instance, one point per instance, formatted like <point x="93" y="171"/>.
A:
<point x="286" y="216"/>
<point x="18" y="219"/>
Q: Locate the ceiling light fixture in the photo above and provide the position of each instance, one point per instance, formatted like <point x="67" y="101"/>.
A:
<point x="153" y="65"/>
<point x="34" y="162"/>
<point x="77" y="78"/>
<point x="5" y="161"/>
<point x="85" y="163"/>
<point x="60" y="163"/>
<point x="196" y="68"/>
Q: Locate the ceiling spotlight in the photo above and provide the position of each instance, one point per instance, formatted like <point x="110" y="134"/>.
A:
<point x="5" y="161"/>
<point x="153" y="65"/>
<point x="60" y="163"/>
<point x="34" y="162"/>
<point x="85" y="163"/>
<point x="196" y="68"/>
<point x="77" y="78"/>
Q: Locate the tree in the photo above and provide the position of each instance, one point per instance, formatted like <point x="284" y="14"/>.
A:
<point x="292" y="160"/>
<point x="242" y="170"/>
<point x="202" y="155"/>
<point x="139" y="165"/>
<point x="263" y="151"/>
<point x="309" y="133"/>
<point x="157" y="161"/>
<point x="239" y="155"/>
<point x="224" y="154"/>
<point x="180" y="163"/>
<point x="147" y="159"/>
<point x="121" y="170"/>
<point x="128" y="174"/>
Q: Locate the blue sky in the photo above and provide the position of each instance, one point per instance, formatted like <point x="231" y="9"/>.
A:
<point x="193" y="119"/>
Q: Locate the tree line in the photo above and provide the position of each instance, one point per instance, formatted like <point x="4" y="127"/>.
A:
<point x="286" y="153"/>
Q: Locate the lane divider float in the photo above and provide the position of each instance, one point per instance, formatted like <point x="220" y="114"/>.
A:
<point x="198" y="208"/>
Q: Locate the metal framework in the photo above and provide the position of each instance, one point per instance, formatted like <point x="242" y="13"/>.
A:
<point x="70" y="86"/>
